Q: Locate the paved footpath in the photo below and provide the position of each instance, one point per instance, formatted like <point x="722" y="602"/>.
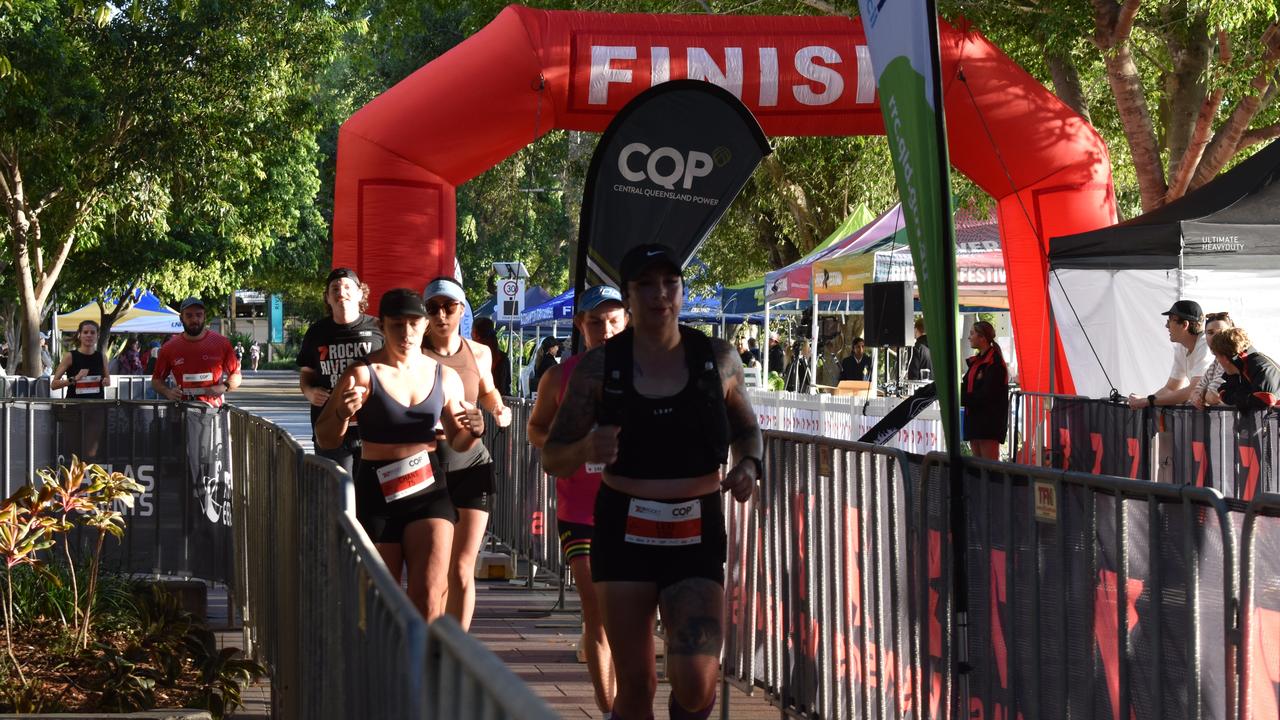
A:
<point x="518" y="624"/>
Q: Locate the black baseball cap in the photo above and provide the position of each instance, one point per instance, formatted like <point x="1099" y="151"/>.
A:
<point x="642" y="257"/>
<point x="1188" y="310"/>
<point x="190" y="302"/>
<point x="342" y="272"/>
<point x="401" y="301"/>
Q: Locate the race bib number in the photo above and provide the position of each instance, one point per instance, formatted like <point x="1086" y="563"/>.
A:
<point x="594" y="468"/>
<point x="406" y="477"/>
<point x="650" y="522"/>
<point x="89" y="382"/>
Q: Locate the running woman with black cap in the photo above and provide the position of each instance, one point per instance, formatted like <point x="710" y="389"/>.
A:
<point x="1191" y="356"/>
<point x="470" y="473"/>
<point x="399" y="395"/>
<point x="663" y="407"/>
<point x="344" y="335"/>
<point x="202" y="362"/>
<point x="600" y="316"/>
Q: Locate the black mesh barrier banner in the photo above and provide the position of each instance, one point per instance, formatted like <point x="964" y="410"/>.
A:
<point x="1092" y="601"/>
<point x="1260" y="675"/>
<point x="1099" y="437"/>
<point x="180" y="524"/>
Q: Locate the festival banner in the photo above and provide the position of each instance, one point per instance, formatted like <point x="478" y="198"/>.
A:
<point x="902" y="38"/>
<point x="665" y="171"/>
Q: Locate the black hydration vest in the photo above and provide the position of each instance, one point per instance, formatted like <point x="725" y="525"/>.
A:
<point x="678" y="436"/>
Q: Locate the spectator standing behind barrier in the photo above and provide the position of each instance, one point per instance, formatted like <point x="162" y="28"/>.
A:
<point x="331" y="345"/>
<point x="131" y="359"/>
<point x="661" y="406"/>
<point x="600" y="316"/>
<point x="1252" y="379"/>
<point x="469" y="474"/>
<point x="858" y="365"/>
<point x="984" y="393"/>
<point x="83" y="371"/>
<point x="400" y="396"/>
<point x="485" y="332"/>
<point x="1206" y="392"/>
<point x="203" y="365"/>
<point x="544" y="360"/>
<point x="152" y="355"/>
<point x="1191" y="357"/>
<point x="777" y="358"/>
<point x="920" y="367"/>
<point x="46" y="360"/>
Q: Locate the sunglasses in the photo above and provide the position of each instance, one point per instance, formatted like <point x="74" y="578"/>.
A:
<point x="449" y="306"/>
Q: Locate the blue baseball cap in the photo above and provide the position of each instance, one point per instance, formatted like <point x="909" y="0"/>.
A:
<point x="593" y="297"/>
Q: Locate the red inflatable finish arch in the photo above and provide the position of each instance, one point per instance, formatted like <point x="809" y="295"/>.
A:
<point x="401" y="157"/>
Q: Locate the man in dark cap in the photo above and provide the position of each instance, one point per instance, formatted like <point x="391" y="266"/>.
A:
<point x="1191" y="356"/>
<point x="345" y="334"/>
<point x="202" y="363"/>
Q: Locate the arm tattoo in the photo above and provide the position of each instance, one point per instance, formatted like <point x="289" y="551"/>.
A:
<point x="744" y="430"/>
<point x="578" y="408"/>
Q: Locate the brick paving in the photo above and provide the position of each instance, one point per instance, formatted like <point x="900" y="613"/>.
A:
<point x="540" y="645"/>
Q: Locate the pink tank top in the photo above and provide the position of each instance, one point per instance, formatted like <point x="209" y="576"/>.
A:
<point x="576" y="494"/>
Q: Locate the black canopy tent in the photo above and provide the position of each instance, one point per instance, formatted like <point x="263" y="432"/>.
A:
<point x="1218" y="245"/>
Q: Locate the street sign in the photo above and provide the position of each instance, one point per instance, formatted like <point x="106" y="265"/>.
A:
<point x="510" y="299"/>
<point x="275" y="319"/>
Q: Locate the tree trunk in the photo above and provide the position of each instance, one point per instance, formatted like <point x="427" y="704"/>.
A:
<point x="1126" y="87"/>
<point x="1185" y="87"/>
<point x="1066" y="83"/>
<point x="797" y="202"/>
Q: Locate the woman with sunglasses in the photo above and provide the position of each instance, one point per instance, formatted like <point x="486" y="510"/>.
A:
<point x="399" y="396"/>
<point x="469" y="474"/>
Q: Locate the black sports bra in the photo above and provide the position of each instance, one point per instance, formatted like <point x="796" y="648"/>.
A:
<point x="383" y="419"/>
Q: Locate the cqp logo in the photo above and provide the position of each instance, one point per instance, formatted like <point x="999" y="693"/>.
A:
<point x="679" y="167"/>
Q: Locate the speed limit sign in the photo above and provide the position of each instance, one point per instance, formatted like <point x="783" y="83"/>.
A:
<point x="510" y="299"/>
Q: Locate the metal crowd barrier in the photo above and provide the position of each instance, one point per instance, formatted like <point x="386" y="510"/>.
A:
<point x="1260" y="609"/>
<point x="523" y="508"/>
<point x="341" y="636"/>
<point x="1088" y="595"/>
<point x="1094" y="596"/>
<point x="123" y="387"/>
<point x="1236" y="452"/>
<point x="824" y="608"/>
<point x="180" y="523"/>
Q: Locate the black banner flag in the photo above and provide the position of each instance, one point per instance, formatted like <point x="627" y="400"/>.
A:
<point x="665" y="171"/>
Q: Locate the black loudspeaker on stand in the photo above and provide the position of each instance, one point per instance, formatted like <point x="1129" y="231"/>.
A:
<point x="888" y="313"/>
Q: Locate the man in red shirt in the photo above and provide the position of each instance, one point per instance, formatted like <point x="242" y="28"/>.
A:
<point x="201" y="361"/>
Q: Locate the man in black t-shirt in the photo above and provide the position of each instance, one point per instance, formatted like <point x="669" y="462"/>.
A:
<point x="332" y="343"/>
<point x="858" y="365"/>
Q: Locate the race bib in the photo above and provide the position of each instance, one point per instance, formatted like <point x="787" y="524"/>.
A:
<point x="196" y="378"/>
<point x="650" y="522"/>
<point x="89" y="382"/>
<point x="406" y="477"/>
<point x="594" y="468"/>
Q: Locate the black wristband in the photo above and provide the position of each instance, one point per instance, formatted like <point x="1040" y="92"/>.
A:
<point x="759" y="464"/>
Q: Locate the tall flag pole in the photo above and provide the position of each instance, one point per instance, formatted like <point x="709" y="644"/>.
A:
<point x="902" y="36"/>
